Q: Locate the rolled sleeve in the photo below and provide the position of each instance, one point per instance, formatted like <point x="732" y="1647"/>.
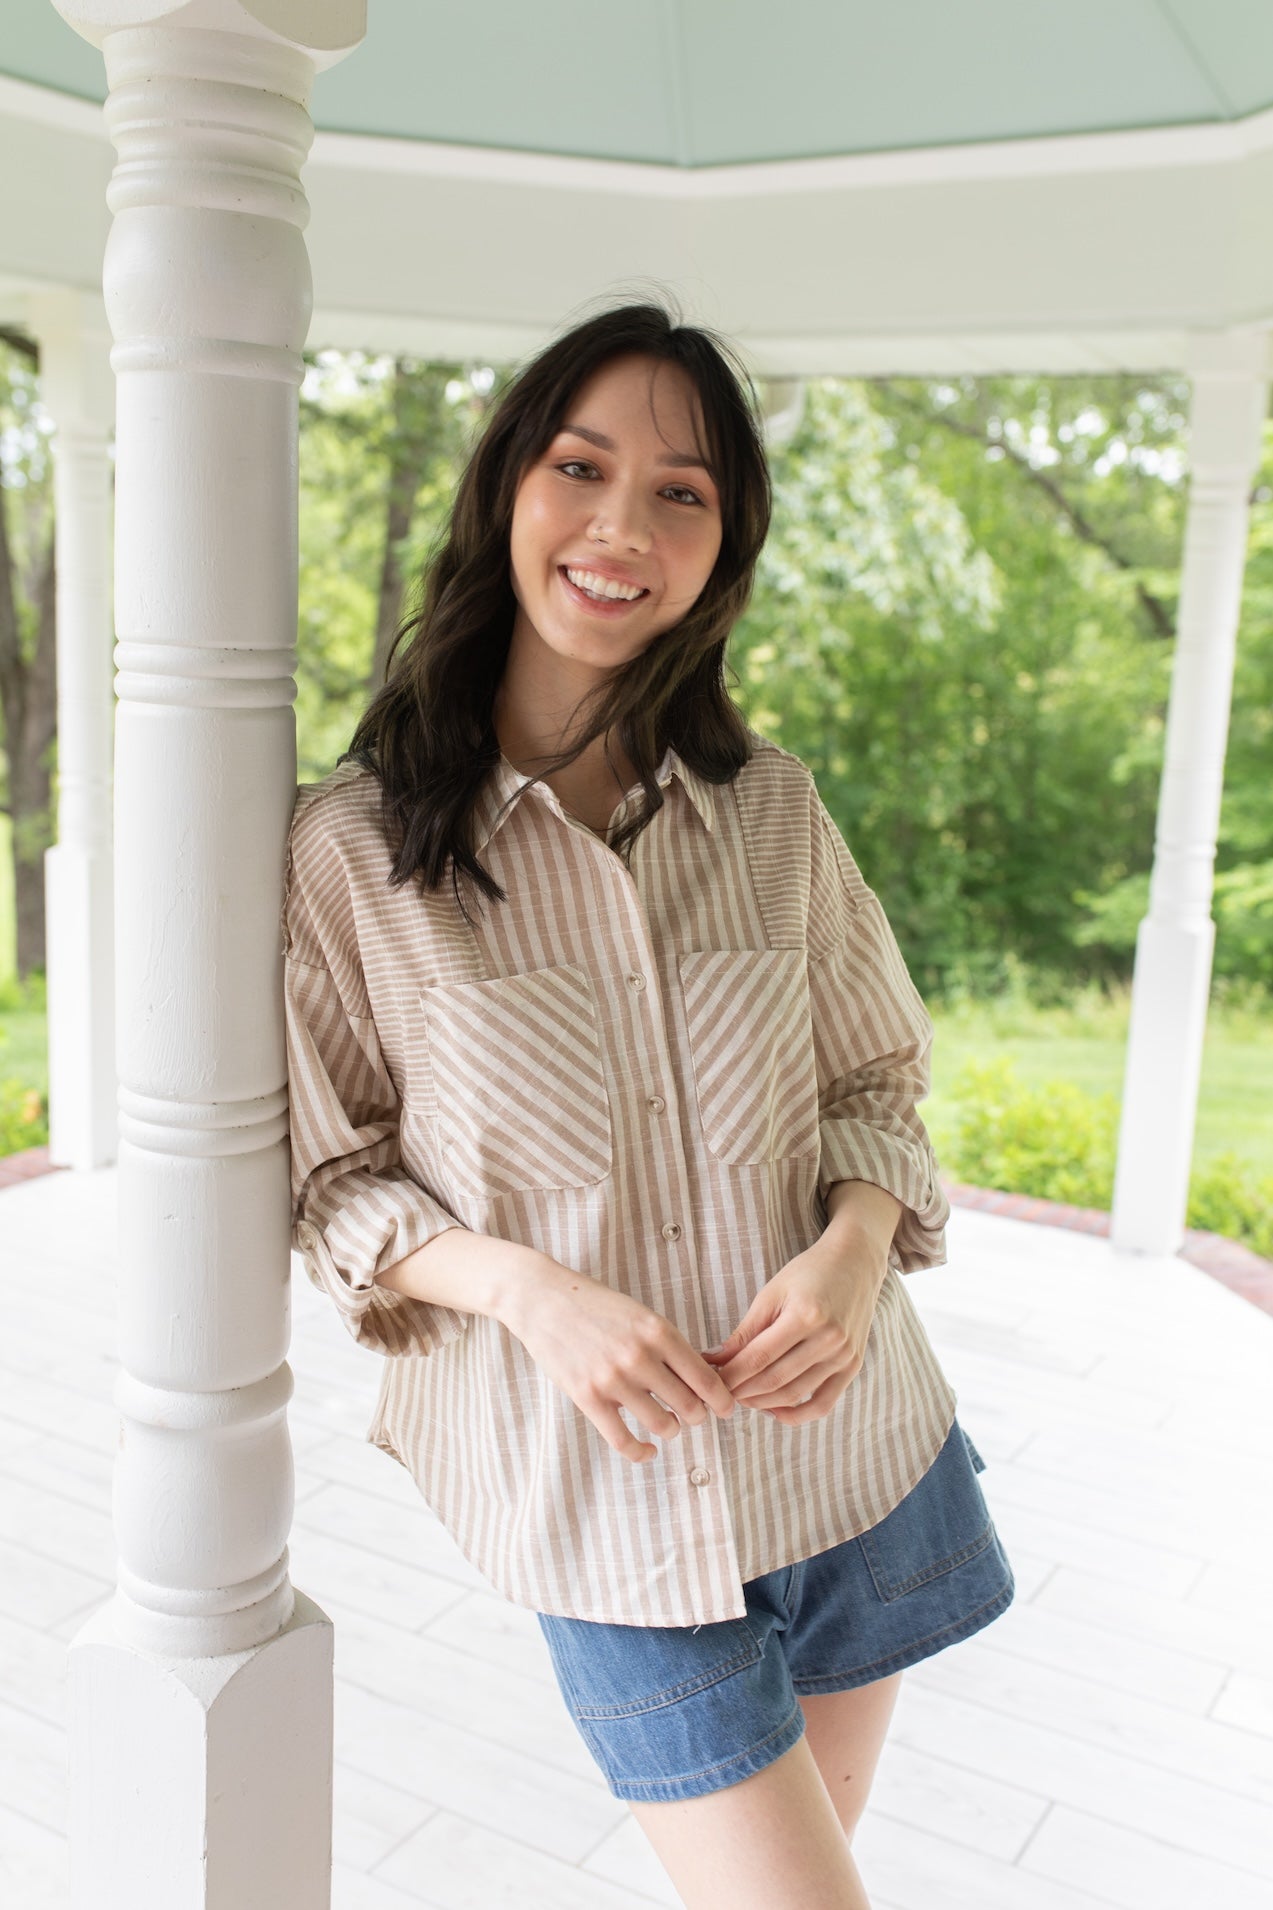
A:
<point x="873" y="1044"/>
<point x="355" y="1208"/>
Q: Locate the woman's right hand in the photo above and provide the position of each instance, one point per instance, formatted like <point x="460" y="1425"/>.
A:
<point x="606" y="1350"/>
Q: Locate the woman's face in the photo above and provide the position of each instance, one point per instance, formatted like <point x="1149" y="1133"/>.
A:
<point x="620" y="501"/>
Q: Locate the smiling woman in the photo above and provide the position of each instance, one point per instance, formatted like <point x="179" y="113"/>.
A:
<point x="607" y="553"/>
<point x="640" y="1140"/>
<point x="607" y="454"/>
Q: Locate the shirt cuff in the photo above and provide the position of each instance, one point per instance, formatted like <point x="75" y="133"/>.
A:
<point x="373" y="1233"/>
<point x="905" y="1168"/>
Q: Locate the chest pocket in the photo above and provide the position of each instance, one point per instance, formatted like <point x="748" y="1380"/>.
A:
<point x="751" y="1042"/>
<point x="518" y="1084"/>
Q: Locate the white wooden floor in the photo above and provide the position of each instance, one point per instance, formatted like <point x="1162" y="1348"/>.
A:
<point x="1107" y="1741"/>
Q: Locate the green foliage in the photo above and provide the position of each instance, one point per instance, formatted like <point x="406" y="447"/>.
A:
<point x="1225" y="1198"/>
<point x="24" y="1117"/>
<point x="959" y="625"/>
<point x="1052" y="1141"/>
<point x="24" y="1109"/>
<point x="29" y="997"/>
<point x="1055" y="1142"/>
<point x="361" y="413"/>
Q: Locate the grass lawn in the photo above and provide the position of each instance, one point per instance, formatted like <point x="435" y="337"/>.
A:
<point x="1086" y="1045"/>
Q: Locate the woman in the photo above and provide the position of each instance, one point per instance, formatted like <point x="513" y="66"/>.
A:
<point x="604" y="1070"/>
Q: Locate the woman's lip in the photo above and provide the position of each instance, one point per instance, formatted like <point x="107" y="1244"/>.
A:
<point x="600" y="606"/>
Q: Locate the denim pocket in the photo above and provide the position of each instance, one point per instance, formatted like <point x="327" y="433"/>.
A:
<point x="940" y="1524"/>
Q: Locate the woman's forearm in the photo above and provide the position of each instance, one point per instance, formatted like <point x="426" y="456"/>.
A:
<point x="480" y="1273"/>
<point x="475" y="1273"/>
<point x="858" y="1209"/>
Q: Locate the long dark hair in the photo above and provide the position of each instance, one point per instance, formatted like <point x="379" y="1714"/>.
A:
<point x="428" y="733"/>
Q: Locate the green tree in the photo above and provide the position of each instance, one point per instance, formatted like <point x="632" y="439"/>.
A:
<point x="28" y="655"/>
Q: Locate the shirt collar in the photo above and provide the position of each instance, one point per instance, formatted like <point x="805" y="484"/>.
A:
<point x="505" y="781"/>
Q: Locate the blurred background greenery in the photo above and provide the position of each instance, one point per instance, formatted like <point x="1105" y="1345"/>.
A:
<point x="963" y="623"/>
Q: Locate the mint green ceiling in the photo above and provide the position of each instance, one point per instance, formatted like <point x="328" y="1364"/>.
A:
<point x="710" y="82"/>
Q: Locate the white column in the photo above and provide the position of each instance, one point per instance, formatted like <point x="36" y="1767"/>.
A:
<point x="1230" y="372"/>
<point x="78" y="390"/>
<point x="200" y="1697"/>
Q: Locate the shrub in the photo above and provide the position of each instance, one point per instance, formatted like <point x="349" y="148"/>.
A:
<point x="1226" y="1198"/>
<point x="1053" y="1141"/>
<point x="1059" y="1143"/>
<point x="24" y="1117"/>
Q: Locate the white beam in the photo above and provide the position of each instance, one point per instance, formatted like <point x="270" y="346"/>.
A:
<point x="200" y="1696"/>
<point x="1174" y="945"/>
<point x="1010" y="252"/>
<point x="78" y="390"/>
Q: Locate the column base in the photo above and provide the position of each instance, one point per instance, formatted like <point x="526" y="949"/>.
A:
<point x="202" y="1783"/>
<point x="1170" y="991"/>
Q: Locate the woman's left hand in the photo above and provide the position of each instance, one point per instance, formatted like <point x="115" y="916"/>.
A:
<point x="802" y="1340"/>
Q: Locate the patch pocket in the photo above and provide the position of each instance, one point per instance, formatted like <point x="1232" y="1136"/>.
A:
<point x="621" y="1671"/>
<point x="941" y="1523"/>
<point x="518" y="1084"/>
<point x="751" y="1048"/>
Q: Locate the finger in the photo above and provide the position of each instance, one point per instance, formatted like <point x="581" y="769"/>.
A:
<point x="794" y="1390"/>
<point x="823" y="1398"/>
<point x="689" y="1380"/>
<point x="784" y="1372"/>
<point x="651" y="1412"/>
<point x="615" y="1433"/>
<point x="765" y="1350"/>
<point x="673" y="1393"/>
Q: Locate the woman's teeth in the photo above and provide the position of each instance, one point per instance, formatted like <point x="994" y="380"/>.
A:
<point x="594" y="586"/>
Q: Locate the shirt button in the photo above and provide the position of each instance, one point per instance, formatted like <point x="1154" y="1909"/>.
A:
<point x="637" y="982"/>
<point x="700" y="1476"/>
<point x="671" y="1230"/>
<point x="656" y="1103"/>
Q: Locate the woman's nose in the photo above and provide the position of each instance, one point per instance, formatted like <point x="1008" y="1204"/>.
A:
<point x="622" y="520"/>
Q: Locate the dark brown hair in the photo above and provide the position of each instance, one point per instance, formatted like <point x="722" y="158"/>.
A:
<point x="428" y="733"/>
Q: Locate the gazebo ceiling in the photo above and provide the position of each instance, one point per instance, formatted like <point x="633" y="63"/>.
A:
<point x="728" y="82"/>
<point x="933" y="186"/>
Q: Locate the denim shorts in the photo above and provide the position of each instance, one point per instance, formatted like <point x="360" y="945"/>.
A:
<point x="672" y="1711"/>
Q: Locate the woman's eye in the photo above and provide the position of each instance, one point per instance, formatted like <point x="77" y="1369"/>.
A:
<point x="570" y="465"/>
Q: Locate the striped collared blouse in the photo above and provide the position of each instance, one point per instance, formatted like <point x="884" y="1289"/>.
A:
<point x="653" y="1074"/>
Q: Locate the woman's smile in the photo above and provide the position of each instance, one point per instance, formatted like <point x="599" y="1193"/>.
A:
<point x="604" y="596"/>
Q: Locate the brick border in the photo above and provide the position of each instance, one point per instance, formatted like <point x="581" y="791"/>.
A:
<point x="1245" y="1273"/>
<point x="26" y="1166"/>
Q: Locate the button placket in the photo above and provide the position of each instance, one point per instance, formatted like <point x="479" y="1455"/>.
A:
<point x="714" y="1516"/>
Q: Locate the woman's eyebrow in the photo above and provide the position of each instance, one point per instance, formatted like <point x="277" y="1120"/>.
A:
<point x="678" y="458"/>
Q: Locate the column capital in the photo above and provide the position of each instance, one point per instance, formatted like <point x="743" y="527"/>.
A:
<point x="324" y="30"/>
<point x="74" y="336"/>
<point x="1237" y="351"/>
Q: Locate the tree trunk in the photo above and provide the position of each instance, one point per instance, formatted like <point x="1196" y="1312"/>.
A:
<point x="28" y="705"/>
<point x="409" y="450"/>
